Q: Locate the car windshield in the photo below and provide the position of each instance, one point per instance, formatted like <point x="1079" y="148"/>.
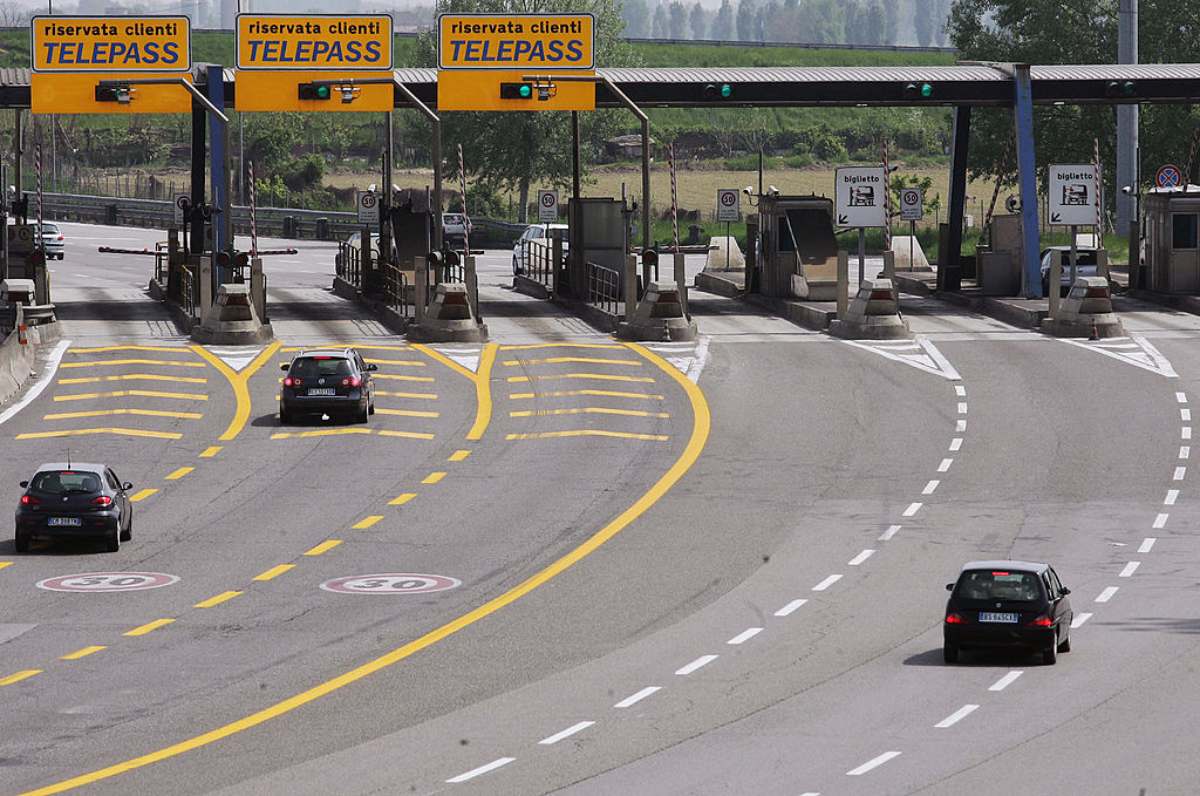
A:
<point x="49" y="229"/>
<point x="66" y="482"/>
<point x="989" y="584"/>
<point x="315" y="367"/>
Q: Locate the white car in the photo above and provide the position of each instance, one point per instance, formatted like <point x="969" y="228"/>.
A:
<point x="455" y="226"/>
<point x="53" y="241"/>
<point x="1085" y="265"/>
<point x="522" y="250"/>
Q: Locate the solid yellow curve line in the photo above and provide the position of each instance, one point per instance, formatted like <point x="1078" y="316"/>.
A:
<point x="239" y="381"/>
<point x="701" y="423"/>
<point x="481" y="378"/>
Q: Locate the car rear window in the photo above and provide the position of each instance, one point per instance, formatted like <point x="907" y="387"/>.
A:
<point x="315" y="367"/>
<point x="65" y="482"/>
<point x="452" y="218"/>
<point x="996" y="584"/>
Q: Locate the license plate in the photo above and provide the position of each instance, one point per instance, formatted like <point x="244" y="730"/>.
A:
<point x="322" y="391"/>
<point x="64" y="521"/>
<point x="1011" y="619"/>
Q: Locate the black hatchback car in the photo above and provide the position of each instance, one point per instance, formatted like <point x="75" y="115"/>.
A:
<point x="334" y="382"/>
<point x="1013" y="604"/>
<point x="74" y="499"/>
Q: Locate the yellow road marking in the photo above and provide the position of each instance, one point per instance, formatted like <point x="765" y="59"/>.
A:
<point x="217" y="599"/>
<point x="87" y="396"/>
<point x="405" y="434"/>
<point x="459" y="455"/>
<point x="434" y="477"/>
<point x="323" y="547"/>
<point x="483" y="393"/>
<point x="120" y="432"/>
<point x="596" y="376"/>
<point x="397" y="377"/>
<point x="586" y="410"/>
<point x="404" y="363"/>
<point x="210" y="451"/>
<point x="109" y="348"/>
<point x="149" y="627"/>
<point x="180" y="473"/>
<point x="82" y="653"/>
<point x="360" y="347"/>
<point x="406" y="412"/>
<point x="400" y="500"/>
<point x="425" y="396"/>
<point x="136" y="377"/>
<point x="534" y="346"/>
<point x="516" y="396"/>
<point x="166" y="363"/>
<point x="19" y="676"/>
<point x="111" y="412"/>
<point x="438" y="356"/>
<point x="633" y="363"/>
<point x="274" y="572"/>
<point x="589" y="432"/>
<point x="239" y="382"/>
<point x="701" y="424"/>
<point x="142" y="495"/>
<point x="4" y="564"/>
<point x="366" y="522"/>
<point x="337" y="432"/>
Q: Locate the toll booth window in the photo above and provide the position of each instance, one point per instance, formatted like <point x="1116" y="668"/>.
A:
<point x="1184" y="229"/>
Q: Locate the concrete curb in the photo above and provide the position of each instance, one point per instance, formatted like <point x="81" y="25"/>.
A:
<point x="531" y="287"/>
<point x="714" y="283"/>
<point x="17" y="361"/>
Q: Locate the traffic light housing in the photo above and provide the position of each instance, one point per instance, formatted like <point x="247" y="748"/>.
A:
<point x="1120" y="88"/>
<point x="516" y="91"/>
<point x="718" y="91"/>
<point x="114" y="93"/>
<point x="315" y="91"/>
<point x="918" y="91"/>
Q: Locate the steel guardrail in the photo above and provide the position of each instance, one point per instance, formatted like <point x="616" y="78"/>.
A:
<point x="604" y="289"/>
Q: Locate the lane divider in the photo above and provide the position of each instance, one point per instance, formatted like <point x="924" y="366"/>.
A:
<point x="217" y="599"/>
<point x="149" y="627"/>
<point x="274" y="572"/>
<point x="83" y="653"/>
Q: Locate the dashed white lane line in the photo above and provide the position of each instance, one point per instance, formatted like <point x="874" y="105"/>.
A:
<point x="956" y="444"/>
<point x="1147" y="544"/>
<point x="861" y="557"/>
<point x="945" y="465"/>
<point x="825" y="584"/>
<point x="567" y="733"/>
<point x="889" y="533"/>
<point x="638" y="696"/>
<point x="702" y="661"/>
<point x="1181" y="397"/>
<point x="961" y="425"/>
<point x="960" y="391"/>
<point x="1185" y="432"/>
<point x="931" y="487"/>
<point x="962" y="407"/>
<point x="1185" y="451"/>
<point x="1180" y="474"/>
<point x="790" y="608"/>
<point x="1172" y="496"/>
<point x="912" y="509"/>
<point x="1107" y="594"/>
<point x="1007" y="680"/>
<point x="956" y="716"/>
<point x="1185" y="414"/>
<point x="1129" y="569"/>
<point x="1160" y="521"/>
<point x="745" y="635"/>
<point x="871" y="764"/>
<point x="475" y="772"/>
<point x="1079" y="619"/>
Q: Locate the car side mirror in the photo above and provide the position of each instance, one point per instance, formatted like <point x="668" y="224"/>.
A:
<point x="372" y="366"/>
<point x="1065" y="591"/>
<point x="24" y="484"/>
<point x="127" y="485"/>
<point x="284" y="366"/>
<point x="949" y="587"/>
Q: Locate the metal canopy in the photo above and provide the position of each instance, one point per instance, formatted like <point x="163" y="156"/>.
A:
<point x="801" y="86"/>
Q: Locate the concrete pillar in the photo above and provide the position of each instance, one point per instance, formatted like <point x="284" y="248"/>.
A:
<point x="843" y="284"/>
<point x="681" y="281"/>
<point x="1031" y="281"/>
<point x="630" y="284"/>
<point x="421" y="286"/>
<point x="1127" y="116"/>
<point x="472" y="283"/>
<point x="258" y="288"/>
<point x="1055" y="282"/>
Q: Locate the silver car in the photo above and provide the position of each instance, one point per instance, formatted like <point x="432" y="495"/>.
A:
<point x="1085" y="265"/>
<point x="53" y="241"/>
<point x="538" y="234"/>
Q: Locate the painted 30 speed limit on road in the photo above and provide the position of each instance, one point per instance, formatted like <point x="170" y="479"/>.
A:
<point x="391" y="583"/>
<point x="107" y="582"/>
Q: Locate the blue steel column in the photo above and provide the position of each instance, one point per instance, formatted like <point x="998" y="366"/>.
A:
<point x="219" y="169"/>
<point x="1031" y="286"/>
<point x="950" y="261"/>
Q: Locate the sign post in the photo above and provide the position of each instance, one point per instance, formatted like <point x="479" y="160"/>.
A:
<point x="547" y="206"/>
<point x="367" y="204"/>
<point x="1072" y="203"/>
<point x="859" y="193"/>
<point x="729" y="208"/>
<point x="912" y="210"/>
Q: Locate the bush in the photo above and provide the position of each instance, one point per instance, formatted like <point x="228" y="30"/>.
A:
<point x="742" y="163"/>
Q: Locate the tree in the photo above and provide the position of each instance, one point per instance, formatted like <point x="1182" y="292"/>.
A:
<point x="723" y="26"/>
<point x="699" y="22"/>
<point x="874" y="23"/>
<point x="768" y="21"/>
<point x="825" y="17"/>
<point x="662" y="23"/>
<point x="891" y="22"/>
<point x="636" y="15"/>
<point x="924" y="21"/>
<point x="679" y="20"/>
<point x="747" y="20"/>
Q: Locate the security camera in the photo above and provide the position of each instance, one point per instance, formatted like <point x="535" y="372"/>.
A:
<point x="748" y="191"/>
<point x="771" y="189"/>
<point x="1127" y="190"/>
<point x="371" y="188"/>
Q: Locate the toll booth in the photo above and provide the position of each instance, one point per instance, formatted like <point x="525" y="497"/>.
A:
<point x="999" y="265"/>
<point x="25" y="262"/>
<point x="598" y="230"/>
<point x="1171" y="229"/>
<point x="797" y="252"/>
<point x="412" y="221"/>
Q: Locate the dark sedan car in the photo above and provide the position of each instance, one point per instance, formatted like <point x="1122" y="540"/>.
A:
<point x="74" y="500"/>
<point x="1013" y="604"/>
<point x="332" y="382"/>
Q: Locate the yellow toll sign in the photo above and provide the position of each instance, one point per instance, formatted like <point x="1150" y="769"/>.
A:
<point x="360" y="42"/>
<point x="111" y="44"/>
<point x="516" y="41"/>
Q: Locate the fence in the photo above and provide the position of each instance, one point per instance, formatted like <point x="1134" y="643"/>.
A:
<point x="539" y="262"/>
<point x="604" y="289"/>
<point x="347" y="263"/>
<point x="395" y="289"/>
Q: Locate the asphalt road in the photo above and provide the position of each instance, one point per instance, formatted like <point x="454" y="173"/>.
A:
<point x="691" y="568"/>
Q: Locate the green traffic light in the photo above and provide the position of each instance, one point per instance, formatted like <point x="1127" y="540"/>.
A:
<point x="926" y="90"/>
<point x="322" y="92"/>
<point x="526" y="91"/>
<point x="1128" y="88"/>
<point x="726" y="91"/>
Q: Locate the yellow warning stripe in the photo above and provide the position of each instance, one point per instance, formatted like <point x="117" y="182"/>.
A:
<point x="87" y="396"/>
<point x="17" y="677"/>
<point x="142" y="495"/>
<point x="323" y="547"/>
<point x="517" y="396"/>
<point x="422" y="396"/>
<point x="405" y="363"/>
<point x="596" y="376"/>
<point x="180" y="473"/>
<point x="337" y="432"/>
<point x="142" y="630"/>
<point x="274" y="572"/>
<point x="535" y="346"/>
<point x="587" y="410"/>
<point x="358" y="346"/>
<point x="395" y="377"/>
<point x="459" y="455"/>
<point x="589" y="432"/>
<point x="107" y="412"/>
<point x="110" y="348"/>
<point x="632" y="363"/>
<point x="169" y="363"/>
<point x="406" y="412"/>
<point x="136" y="377"/>
<point x="401" y="499"/>
<point x="119" y="432"/>
<point x="217" y="599"/>
<point x="83" y="653"/>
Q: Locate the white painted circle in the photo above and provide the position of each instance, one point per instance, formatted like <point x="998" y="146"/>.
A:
<point x="391" y="583"/>
<point x="103" y="582"/>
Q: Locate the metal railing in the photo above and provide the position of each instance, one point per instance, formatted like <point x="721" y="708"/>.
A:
<point x="348" y="263"/>
<point x="395" y="289"/>
<point x="604" y="289"/>
<point x="539" y="263"/>
<point x="188" y="287"/>
<point x="453" y="269"/>
<point x="161" y="262"/>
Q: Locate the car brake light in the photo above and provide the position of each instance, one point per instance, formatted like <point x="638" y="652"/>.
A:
<point x="1000" y="574"/>
<point x="1042" y="621"/>
<point x="30" y="500"/>
<point x="1096" y="292"/>
<point x="290" y="382"/>
<point x="103" y="500"/>
<point x="60" y="237"/>
<point x="352" y="381"/>
<point x="955" y="619"/>
<point x="322" y="359"/>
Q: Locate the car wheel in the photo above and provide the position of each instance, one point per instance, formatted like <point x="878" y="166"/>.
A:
<point x="127" y="534"/>
<point x="285" y="417"/>
<point x="1065" y="645"/>
<point x="21" y="542"/>
<point x="371" y="408"/>
<point x="1050" y="655"/>
<point x="363" y="415"/>
<point x="950" y="653"/>
<point x="516" y="266"/>
<point x="112" y="541"/>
